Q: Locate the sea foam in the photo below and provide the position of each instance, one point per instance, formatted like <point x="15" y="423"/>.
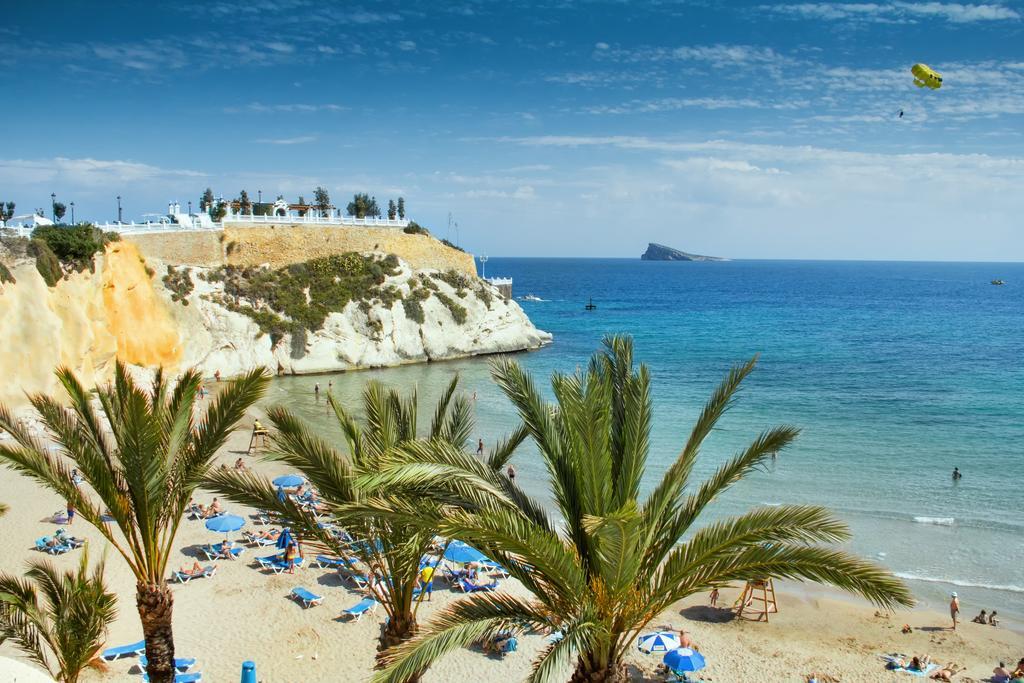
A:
<point x="939" y="521"/>
<point x="1011" y="588"/>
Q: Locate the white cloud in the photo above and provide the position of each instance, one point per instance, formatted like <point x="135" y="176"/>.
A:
<point x="718" y="55"/>
<point x="677" y="103"/>
<point x="601" y="46"/>
<point x="896" y="12"/>
<point x="86" y="172"/>
<point x="260" y="107"/>
<point x="278" y="46"/>
<point x="302" y="139"/>
<point x="406" y="45"/>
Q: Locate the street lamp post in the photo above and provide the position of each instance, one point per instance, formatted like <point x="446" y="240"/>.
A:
<point x="190" y="207"/>
<point x="483" y="266"/>
<point x="259" y="199"/>
<point x="119" y="208"/>
<point x="72" y="213"/>
<point x="53" y="205"/>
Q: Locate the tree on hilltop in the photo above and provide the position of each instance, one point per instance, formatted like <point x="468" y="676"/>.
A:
<point x="244" y="205"/>
<point x="392" y="209"/>
<point x="363" y="205"/>
<point x="322" y="200"/>
<point x="206" y="201"/>
<point x="59" y="210"/>
<point x="6" y="211"/>
<point x="401" y="208"/>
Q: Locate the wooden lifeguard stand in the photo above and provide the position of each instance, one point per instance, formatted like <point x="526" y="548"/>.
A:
<point x="757" y="600"/>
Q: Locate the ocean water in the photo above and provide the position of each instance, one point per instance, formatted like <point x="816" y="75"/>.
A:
<point x="896" y="373"/>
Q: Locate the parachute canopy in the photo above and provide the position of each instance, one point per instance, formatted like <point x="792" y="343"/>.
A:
<point x="926" y="77"/>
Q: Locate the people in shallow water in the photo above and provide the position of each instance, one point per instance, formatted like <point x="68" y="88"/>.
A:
<point x="981" y="618"/>
<point x="956" y="474"/>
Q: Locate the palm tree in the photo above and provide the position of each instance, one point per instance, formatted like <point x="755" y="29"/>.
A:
<point x="57" y="617"/>
<point x="616" y="562"/>
<point x="392" y="545"/>
<point x="144" y="454"/>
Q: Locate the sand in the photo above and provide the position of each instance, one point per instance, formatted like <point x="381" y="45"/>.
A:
<point x="243" y="613"/>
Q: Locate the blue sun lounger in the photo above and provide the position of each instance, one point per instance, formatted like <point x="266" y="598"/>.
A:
<point x="182" y="664"/>
<point x="110" y="654"/>
<point x="275" y="564"/>
<point x="324" y="562"/>
<point x="212" y="552"/>
<point x="42" y="546"/>
<point x="360" y="608"/>
<point x="307" y="598"/>
<point x="208" y="571"/>
<point x="468" y="587"/>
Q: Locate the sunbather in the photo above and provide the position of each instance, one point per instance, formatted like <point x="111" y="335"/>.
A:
<point x="1001" y="674"/>
<point x="214" y="509"/>
<point x="195" y="570"/>
<point x="947" y="672"/>
<point x="225" y="550"/>
<point x="271" y="535"/>
<point x="981" y="618"/>
<point x="919" y="663"/>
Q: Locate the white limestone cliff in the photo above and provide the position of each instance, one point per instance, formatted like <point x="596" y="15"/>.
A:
<point x="123" y="310"/>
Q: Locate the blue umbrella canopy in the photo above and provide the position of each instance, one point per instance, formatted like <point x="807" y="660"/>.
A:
<point x="225" y="524"/>
<point x="462" y="553"/>
<point x="289" y="480"/>
<point x="284" y="538"/>
<point x="660" y="641"/>
<point x="684" y="659"/>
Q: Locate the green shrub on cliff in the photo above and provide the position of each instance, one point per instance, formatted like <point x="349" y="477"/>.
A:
<point x="415" y="228"/>
<point x="46" y="261"/>
<point x="457" y="310"/>
<point x="74" y="245"/>
<point x="303" y="294"/>
<point x="5" y="275"/>
<point x="179" y="283"/>
<point x="413" y="310"/>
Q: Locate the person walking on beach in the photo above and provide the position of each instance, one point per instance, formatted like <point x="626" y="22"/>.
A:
<point x="956" y="474"/>
<point x="480" y="447"/>
<point x="714" y="597"/>
<point x="511" y="474"/>
<point x="954" y="609"/>
<point x="71" y="512"/>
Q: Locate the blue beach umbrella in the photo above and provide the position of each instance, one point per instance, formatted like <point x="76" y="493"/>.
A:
<point x="284" y="538"/>
<point x="661" y="641"/>
<point x="462" y="554"/>
<point x="289" y="480"/>
<point x="225" y="524"/>
<point x="684" y="659"/>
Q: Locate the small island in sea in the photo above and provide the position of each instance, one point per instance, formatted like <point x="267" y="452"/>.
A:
<point x="659" y="252"/>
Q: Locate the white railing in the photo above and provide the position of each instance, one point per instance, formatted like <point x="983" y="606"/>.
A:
<point x="16" y="231"/>
<point x="371" y="221"/>
<point x="499" y="281"/>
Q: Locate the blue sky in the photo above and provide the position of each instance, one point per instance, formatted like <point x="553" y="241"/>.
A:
<point x="743" y="129"/>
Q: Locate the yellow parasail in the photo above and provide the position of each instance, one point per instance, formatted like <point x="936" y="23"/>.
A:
<point x="925" y="77"/>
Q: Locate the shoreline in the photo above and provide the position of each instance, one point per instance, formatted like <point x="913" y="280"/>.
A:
<point x="816" y="629"/>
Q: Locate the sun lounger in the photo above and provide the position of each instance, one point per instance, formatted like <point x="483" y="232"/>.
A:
<point x="307" y="598"/>
<point x="261" y="540"/>
<point x="110" y="654"/>
<point x="357" y="610"/>
<point x="182" y="664"/>
<point x="213" y="552"/>
<point x="181" y="678"/>
<point x="325" y="562"/>
<point x="276" y="564"/>
<point x="207" y="571"/>
<point x="42" y="544"/>
<point x="468" y="587"/>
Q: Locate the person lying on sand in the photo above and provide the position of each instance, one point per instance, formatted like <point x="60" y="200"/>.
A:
<point x="947" y="672"/>
<point x="919" y="663"/>
<point x="981" y="618"/>
<point x="1001" y="674"/>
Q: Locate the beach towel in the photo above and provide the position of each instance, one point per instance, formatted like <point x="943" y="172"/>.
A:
<point x="920" y="674"/>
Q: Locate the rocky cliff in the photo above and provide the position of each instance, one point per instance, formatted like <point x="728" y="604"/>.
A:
<point x="196" y="316"/>
<point x="659" y="252"/>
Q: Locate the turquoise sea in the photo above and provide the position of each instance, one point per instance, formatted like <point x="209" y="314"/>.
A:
<point x="897" y="372"/>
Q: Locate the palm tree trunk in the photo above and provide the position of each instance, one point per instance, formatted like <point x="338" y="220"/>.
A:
<point x="398" y="630"/>
<point x="156" y="604"/>
<point x="590" y="671"/>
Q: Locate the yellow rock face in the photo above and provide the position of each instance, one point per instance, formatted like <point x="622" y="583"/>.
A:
<point x="84" y="323"/>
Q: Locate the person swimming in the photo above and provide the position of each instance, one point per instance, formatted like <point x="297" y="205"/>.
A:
<point x="957" y="476"/>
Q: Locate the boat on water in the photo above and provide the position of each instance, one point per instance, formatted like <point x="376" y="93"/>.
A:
<point x="998" y="282"/>
<point x="532" y="297"/>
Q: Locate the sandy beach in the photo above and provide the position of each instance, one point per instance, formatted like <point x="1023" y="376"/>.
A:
<point x="243" y="613"/>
